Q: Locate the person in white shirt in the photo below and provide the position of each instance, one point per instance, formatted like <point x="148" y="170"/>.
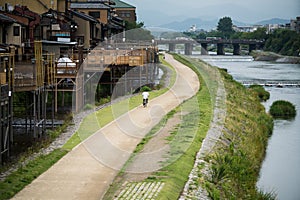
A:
<point x="145" y="95"/>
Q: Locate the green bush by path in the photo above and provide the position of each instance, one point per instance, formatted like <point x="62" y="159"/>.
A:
<point x="261" y="92"/>
<point x="145" y="88"/>
<point x="283" y="109"/>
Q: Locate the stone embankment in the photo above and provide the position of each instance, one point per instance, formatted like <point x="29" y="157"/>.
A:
<point x="192" y="190"/>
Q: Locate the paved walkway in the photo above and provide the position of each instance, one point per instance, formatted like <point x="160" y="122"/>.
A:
<point x="87" y="171"/>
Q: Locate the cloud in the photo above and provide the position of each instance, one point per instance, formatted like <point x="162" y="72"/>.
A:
<point x="158" y="11"/>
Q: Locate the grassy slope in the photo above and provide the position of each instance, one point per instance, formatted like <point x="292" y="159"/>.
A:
<point x="237" y="161"/>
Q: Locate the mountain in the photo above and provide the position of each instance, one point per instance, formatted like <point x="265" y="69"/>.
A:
<point x="187" y="23"/>
<point x="200" y="24"/>
<point x="212" y="24"/>
<point x="273" y="21"/>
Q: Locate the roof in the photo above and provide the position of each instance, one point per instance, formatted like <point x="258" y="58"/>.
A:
<point x="121" y="4"/>
<point x="88" y="5"/>
<point x="84" y="16"/>
<point x="18" y="19"/>
<point x="4" y="18"/>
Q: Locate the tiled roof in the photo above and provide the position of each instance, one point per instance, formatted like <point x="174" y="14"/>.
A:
<point x="121" y="4"/>
<point x="89" y="5"/>
<point x="84" y="16"/>
<point x="4" y="18"/>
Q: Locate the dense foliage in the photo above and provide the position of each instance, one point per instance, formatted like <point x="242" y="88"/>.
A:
<point x="283" y="41"/>
<point x="283" y="109"/>
<point x="262" y="94"/>
<point x="225" y="27"/>
<point x="135" y="31"/>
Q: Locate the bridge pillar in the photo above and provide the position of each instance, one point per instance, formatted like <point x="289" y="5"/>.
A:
<point x="188" y="48"/>
<point x="236" y="49"/>
<point x="252" y="47"/>
<point x="171" y="47"/>
<point x="204" y="49"/>
<point x="220" y="49"/>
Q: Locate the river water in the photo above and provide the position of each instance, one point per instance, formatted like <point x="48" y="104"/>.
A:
<point x="280" y="171"/>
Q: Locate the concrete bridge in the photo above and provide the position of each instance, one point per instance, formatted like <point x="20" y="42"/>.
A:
<point x="189" y="43"/>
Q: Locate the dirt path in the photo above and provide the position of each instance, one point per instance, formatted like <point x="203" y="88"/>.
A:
<point x="87" y="171"/>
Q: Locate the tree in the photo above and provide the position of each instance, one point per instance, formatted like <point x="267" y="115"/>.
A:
<point x="283" y="41"/>
<point x="225" y="27"/>
<point x="260" y="34"/>
<point x="133" y="25"/>
<point x="135" y="31"/>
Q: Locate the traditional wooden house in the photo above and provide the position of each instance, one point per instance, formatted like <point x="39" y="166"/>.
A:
<point x="21" y="31"/>
<point x="103" y="12"/>
<point x="89" y="30"/>
<point x="37" y="6"/>
<point x="58" y="33"/>
<point x="124" y="10"/>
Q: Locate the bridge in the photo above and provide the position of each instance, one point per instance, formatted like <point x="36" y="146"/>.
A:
<point x="189" y="43"/>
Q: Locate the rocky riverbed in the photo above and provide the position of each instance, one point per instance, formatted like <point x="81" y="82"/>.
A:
<point x="273" y="57"/>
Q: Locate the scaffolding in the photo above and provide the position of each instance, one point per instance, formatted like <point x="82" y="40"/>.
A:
<point x="6" y="114"/>
<point x="33" y="81"/>
<point x="125" y="68"/>
<point x="27" y="88"/>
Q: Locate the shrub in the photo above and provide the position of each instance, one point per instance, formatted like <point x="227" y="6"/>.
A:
<point x="283" y="109"/>
<point x="88" y="107"/>
<point x="145" y="88"/>
<point x="261" y="92"/>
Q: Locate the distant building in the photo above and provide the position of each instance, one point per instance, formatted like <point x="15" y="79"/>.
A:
<point x="295" y="24"/>
<point x="193" y="28"/>
<point x="246" y="29"/>
<point x="124" y="10"/>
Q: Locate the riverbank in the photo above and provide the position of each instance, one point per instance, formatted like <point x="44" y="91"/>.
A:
<point x="273" y="57"/>
<point x="231" y="167"/>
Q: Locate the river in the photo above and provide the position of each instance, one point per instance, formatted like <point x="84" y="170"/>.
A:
<point x="280" y="171"/>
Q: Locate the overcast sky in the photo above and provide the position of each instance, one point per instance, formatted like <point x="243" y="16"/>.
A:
<point x="157" y="12"/>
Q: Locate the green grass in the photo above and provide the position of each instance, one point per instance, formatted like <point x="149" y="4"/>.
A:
<point x="260" y="91"/>
<point x="176" y="173"/>
<point x="236" y="163"/>
<point x="26" y="174"/>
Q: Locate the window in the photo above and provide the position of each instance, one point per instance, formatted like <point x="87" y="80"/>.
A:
<point x="16" y="31"/>
<point x="125" y="14"/>
<point x="94" y="14"/>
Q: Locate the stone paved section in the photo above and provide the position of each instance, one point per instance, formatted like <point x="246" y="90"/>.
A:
<point x="140" y="190"/>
